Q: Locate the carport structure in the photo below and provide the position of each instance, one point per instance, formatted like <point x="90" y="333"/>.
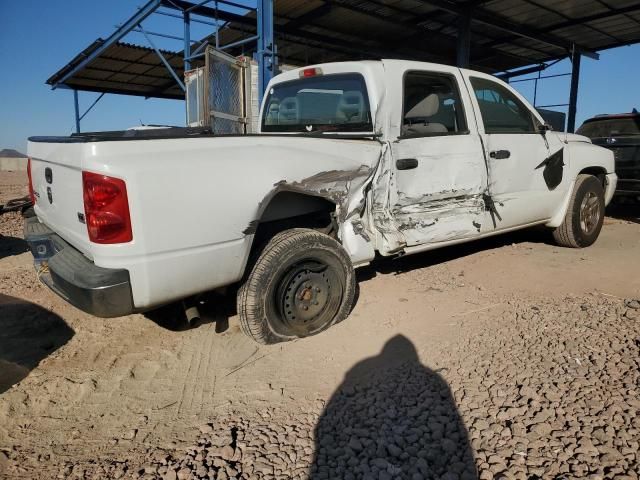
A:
<point x="508" y="38"/>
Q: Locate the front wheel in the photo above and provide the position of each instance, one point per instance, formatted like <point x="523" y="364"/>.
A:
<point x="302" y="283"/>
<point x="583" y="221"/>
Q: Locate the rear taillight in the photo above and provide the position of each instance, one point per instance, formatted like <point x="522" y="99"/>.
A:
<point x="32" y="195"/>
<point x="106" y="209"/>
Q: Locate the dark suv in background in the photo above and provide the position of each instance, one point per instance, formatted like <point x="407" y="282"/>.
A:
<point x="619" y="133"/>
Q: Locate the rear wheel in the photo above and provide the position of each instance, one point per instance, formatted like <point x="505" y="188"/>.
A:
<point x="583" y="221"/>
<point x="302" y="283"/>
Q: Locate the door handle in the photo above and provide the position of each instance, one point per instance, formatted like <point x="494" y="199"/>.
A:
<point x="500" y="154"/>
<point x="406" y="163"/>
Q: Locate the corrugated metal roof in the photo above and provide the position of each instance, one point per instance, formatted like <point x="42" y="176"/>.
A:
<point x="427" y="29"/>
<point x="506" y="34"/>
<point x="125" y="69"/>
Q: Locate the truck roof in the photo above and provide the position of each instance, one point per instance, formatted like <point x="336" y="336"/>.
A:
<point x="362" y="66"/>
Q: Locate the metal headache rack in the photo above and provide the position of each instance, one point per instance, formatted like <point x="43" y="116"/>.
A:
<point x="218" y="94"/>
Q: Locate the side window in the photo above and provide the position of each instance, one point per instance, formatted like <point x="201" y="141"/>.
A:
<point x="431" y="106"/>
<point x="501" y="110"/>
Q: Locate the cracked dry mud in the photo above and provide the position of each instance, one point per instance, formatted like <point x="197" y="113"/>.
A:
<point x="504" y="359"/>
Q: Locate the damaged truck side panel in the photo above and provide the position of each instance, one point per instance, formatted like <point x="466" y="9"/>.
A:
<point x="440" y="198"/>
<point x="225" y="224"/>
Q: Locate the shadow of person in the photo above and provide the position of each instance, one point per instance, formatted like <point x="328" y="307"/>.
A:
<point x="392" y="418"/>
<point x="28" y="334"/>
<point x="12" y="246"/>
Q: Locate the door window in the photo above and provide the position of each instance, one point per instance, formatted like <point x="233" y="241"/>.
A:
<point x="431" y="106"/>
<point x="501" y="110"/>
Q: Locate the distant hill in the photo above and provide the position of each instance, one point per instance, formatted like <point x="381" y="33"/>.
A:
<point x="11" y="153"/>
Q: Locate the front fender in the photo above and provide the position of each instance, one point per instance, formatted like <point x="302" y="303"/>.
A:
<point x="583" y="156"/>
<point x="586" y="157"/>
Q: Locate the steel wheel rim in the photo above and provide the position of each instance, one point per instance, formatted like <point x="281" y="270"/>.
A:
<point x="589" y="213"/>
<point x="309" y="296"/>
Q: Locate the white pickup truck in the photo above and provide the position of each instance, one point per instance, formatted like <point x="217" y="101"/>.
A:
<point x="352" y="159"/>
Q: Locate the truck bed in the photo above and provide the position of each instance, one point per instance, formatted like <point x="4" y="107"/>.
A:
<point x="176" y="133"/>
<point x="193" y="197"/>
<point x="131" y="134"/>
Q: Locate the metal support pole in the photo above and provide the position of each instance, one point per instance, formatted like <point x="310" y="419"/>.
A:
<point x="573" y="93"/>
<point x="463" y="48"/>
<point x="239" y="42"/>
<point x="187" y="40"/>
<point x="164" y="60"/>
<point x="194" y="20"/>
<point x="91" y="106"/>
<point x="77" y="110"/>
<point x="217" y="28"/>
<point x="150" y="7"/>
<point x="198" y="51"/>
<point x="266" y="47"/>
<point x="158" y="34"/>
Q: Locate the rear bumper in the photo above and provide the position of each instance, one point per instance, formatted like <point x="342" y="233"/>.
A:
<point x="102" y="292"/>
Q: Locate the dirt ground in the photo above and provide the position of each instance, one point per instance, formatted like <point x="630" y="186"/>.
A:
<point x="503" y="358"/>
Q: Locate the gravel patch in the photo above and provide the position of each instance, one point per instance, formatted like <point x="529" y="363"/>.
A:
<point x="11" y="225"/>
<point x="547" y="390"/>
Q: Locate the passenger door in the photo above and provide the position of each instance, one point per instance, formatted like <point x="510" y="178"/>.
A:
<point x="525" y="163"/>
<point x="439" y="178"/>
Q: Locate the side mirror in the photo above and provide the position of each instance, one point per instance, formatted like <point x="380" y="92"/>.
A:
<point x="544" y="128"/>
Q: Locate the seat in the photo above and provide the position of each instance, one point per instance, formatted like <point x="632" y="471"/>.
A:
<point x="420" y="113"/>
<point x="273" y="112"/>
<point x="289" y="113"/>
<point x="351" y="108"/>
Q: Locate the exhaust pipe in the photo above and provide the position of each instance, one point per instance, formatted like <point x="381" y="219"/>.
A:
<point x="191" y="311"/>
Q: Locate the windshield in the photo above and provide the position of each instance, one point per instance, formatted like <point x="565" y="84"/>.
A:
<point x="611" y="127"/>
<point x="324" y="103"/>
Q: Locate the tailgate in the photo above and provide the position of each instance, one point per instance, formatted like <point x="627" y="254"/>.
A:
<point x="56" y="172"/>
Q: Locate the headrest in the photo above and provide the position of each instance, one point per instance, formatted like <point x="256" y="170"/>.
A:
<point x="289" y="104"/>
<point x="427" y="107"/>
<point x="351" y="106"/>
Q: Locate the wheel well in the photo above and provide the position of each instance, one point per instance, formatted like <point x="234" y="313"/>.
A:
<point x="598" y="172"/>
<point x="293" y="210"/>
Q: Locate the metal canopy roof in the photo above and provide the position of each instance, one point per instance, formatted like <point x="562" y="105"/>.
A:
<point x="504" y="35"/>
<point x="125" y="69"/>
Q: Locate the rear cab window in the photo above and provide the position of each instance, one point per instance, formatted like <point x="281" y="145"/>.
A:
<point x="323" y="103"/>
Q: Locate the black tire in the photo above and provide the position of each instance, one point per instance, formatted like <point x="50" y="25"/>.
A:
<point x="583" y="221"/>
<point x="302" y="283"/>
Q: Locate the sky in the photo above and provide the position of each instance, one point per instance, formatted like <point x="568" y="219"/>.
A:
<point x="38" y="37"/>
